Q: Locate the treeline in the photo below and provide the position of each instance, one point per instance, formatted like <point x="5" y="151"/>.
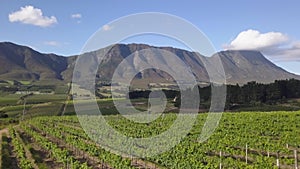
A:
<point x="254" y="95"/>
<point x="20" y="87"/>
<point x="170" y="94"/>
<point x="250" y="94"/>
<point x="253" y="92"/>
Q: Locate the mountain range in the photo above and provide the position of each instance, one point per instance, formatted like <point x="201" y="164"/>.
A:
<point x="23" y="63"/>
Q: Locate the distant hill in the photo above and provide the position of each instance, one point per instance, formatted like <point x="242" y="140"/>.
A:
<point x="23" y="63"/>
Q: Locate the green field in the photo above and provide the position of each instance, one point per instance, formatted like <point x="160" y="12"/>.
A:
<point x="9" y="100"/>
<point x="36" y="105"/>
<point x="266" y="134"/>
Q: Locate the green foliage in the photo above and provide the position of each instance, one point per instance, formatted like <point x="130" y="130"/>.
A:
<point x="261" y="132"/>
<point x="5" y="157"/>
<point x="78" y="139"/>
<point x="60" y="154"/>
<point x="24" y="162"/>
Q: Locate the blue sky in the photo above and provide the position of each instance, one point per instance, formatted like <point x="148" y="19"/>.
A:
<point x="273" y="23"/>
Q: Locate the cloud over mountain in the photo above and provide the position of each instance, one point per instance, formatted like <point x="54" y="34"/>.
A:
<point x="254" y="40"/>
<point x="276" y="45"/>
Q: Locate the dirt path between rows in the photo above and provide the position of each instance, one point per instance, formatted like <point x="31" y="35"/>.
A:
<point x="135" y="162"/>
<point x="78" y="154"/>
<point x="1" y="133"/>
<point x="9" y="148"/>
<point x="5" y="130"/>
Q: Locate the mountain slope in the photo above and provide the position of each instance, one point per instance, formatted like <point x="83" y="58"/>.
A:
<point x="244" y="66"/>
<point x="23" y="63"/>
<point x="20" y="62"/>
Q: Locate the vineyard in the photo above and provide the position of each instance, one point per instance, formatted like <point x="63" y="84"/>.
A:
<point x="242" y="140"/>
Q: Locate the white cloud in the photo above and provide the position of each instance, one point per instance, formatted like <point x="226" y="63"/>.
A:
<point x="76" y="16"/>
<point x="276" y="45"/>
<point x="106" y="28"/>
<point x="254" y="40"/>
<point x="52" y="43"/>
<point x="55" y="43"/>
<point x="33" y="16"/>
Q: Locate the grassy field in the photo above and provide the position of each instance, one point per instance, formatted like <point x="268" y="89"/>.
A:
<point x="36" y="105"/>
<point x="9" y="100"/>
